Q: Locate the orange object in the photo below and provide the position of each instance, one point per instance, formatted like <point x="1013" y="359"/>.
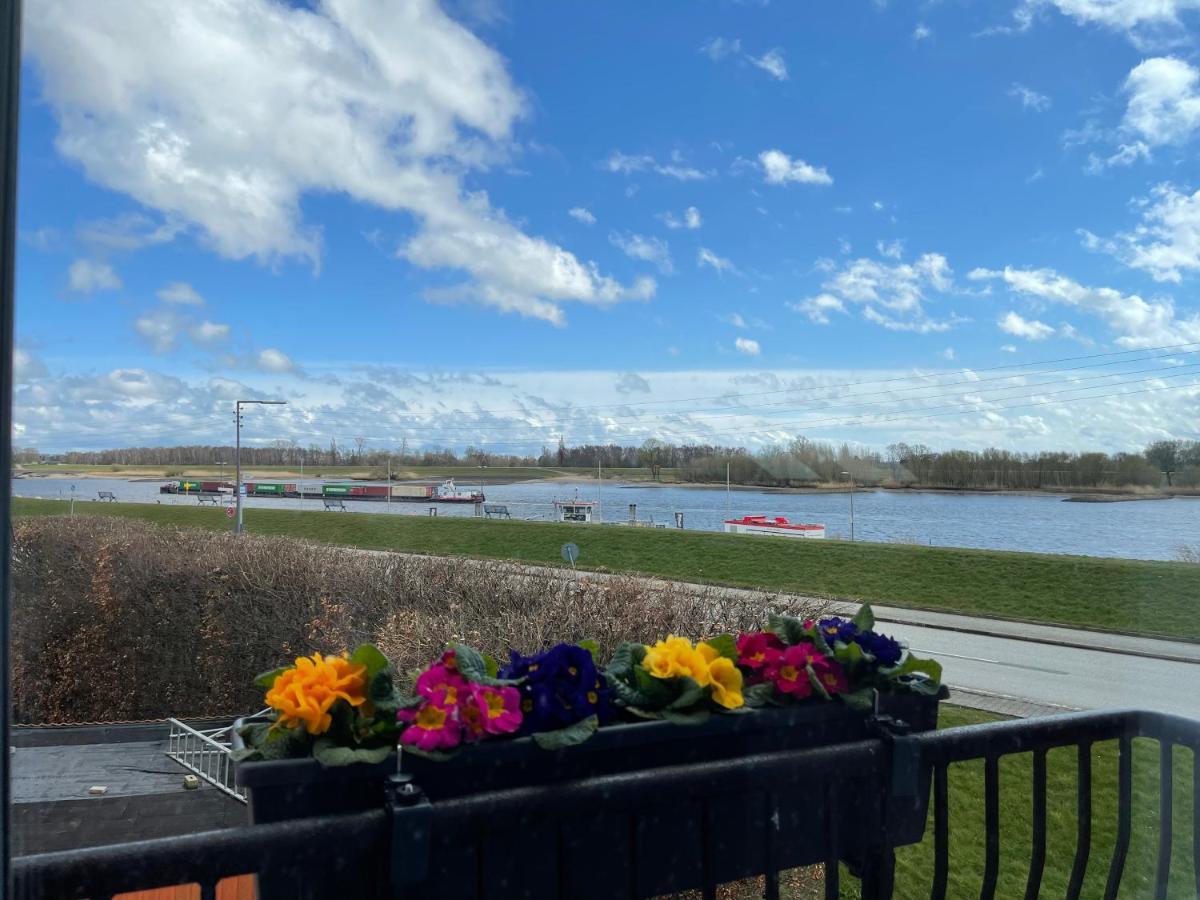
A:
<point x="240" y="887"/>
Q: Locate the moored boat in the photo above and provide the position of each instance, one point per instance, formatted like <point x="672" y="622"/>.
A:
<point x="774" y="525"/>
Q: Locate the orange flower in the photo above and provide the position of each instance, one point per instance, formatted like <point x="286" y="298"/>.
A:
<point x="304" y="693"/>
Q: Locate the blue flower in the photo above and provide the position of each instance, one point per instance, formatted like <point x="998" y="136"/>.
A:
<point x="836" y="629"/>
<point x="562" y="685"/>
<point x="886" y="651"/>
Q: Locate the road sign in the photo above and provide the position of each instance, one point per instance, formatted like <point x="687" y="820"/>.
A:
<point x="570" y="552"/>
<point x="229" y="512"/>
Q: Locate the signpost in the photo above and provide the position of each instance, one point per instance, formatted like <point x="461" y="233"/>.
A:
<point x="230" y="512"/>
<point x="570" y="552"/>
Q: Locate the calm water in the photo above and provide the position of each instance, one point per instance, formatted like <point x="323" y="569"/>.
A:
<point x="1143" y="529"/>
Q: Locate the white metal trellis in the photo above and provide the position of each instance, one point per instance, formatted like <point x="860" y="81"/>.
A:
<point x="206" y="753"/>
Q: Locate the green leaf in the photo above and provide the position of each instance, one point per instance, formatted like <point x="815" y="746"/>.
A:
<point x="368" y="655"/>
<point x="625" y="657"/>
<point x="643" y="713"/>
<point x="473" y="667"/>
<point x="626" y="694"/>
<point x="724" y="644"/>
<point x="862" y="700"/>
<point x="657" y="692"/>
<point x="267" y="679"/>
<point x="919" y="685"/>
<point x="930" y="668"/>
<point x="849" y="655"/>
<point x="759" y="695"/>
<point x="412" y="702"/>
<point x="690" y="694"/>
<point x="246" y="754"/>
<point x="380" y="689"/>
<point x="490" y="664"/>
<point x="593" y="648"/>
<point x="276" y="743"/>
<point x="330" y="753"/>
<point x="818" y="639"/>
<point x="818" y="688"/>
<point x="864" y="618"/>
<point x="788" y="629"/>
<point x="691" y="717"/>
<point x="569" y="736"/>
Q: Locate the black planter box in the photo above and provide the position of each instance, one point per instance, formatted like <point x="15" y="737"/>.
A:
<point x="660" y="847"/>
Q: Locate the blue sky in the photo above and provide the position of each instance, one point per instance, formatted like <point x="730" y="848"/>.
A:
<point x="492" y="223"/>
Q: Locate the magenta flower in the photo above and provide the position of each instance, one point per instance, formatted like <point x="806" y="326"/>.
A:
<point x="790" y="671"/>
<point x="758" y="649"/>
<point x="431" y="727"/>
<point x="499" y="708"/>
<point x="831" y="675"/>
<point x="442" y="685"/>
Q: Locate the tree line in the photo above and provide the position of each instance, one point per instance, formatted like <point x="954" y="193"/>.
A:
<point x="1166" y="463"/>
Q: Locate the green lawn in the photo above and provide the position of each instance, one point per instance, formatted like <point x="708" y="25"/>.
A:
<point x="1118" y="595"/>
<point x="915" y="864"/>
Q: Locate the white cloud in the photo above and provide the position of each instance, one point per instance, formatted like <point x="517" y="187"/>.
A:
<point x="735" y="319"/>
<point x="1125" y="155"/>
<point x="719" y="48"/>
<point x="779" y="168"/>
<point x="208" y="116"/>
<point x="582" y="214"/>
<point x="1136" y="321"/>
<point x="1030" y="99"/>
<point x="771" y="62"/>
<point x="948" y="353"/>
<point x="86" y="277"/>
<point x="632" y="383"/>
<point x="1143" y="21"/>
<point x="208" y="333"/>
<point x="160" y="329"/>
<point x="676" y="167"/>
<point x="26" y="366"/>
<point x="690" y="219"/>
<point x="272" y="360"/>
<point x="890" y="249"/>
<point x="648" y="249"/>
<point x="180" y="292"/>
<point x="922" y="32"/>
<point x="819" y="307"/>
<point x="1009" y="348"/>
<point x="1166" y="243"/>
<point x="706" y="257"/>
<point x="128" y="231"/>
<point x="1164" y="103"/>
<point x="748" y="346"/>
<point x="1030" y="329"/>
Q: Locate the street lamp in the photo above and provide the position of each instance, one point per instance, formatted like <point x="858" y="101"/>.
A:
<point x="237" y="488"/>
<point x="851" y="477"/>
<point x="221" y="463"/>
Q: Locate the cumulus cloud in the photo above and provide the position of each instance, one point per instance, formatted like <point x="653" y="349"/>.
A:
<point x="891" y="295"/>
<point x="720" y="264"/>
<point x="779" y="168"/>
<point x="159" y="329"/>
<point x="676" y="167"/>
<point x="208" y="333"/>
<point x="1166" y="243"/>
<point x="197" y="116"/>
<point x="1164" y="103"/>
<point x="748" y="346"/>
<point x="735" y="319"/>
<point x="632" y="383"/>
<point x="647" y="249"/>
<point x="582" y="214"/>
<point x="818" y="308"/>
<point x="1030" y="99"/>
<point x="690" y="219"/>
<point x="1137" y="322"/>
<point x="272" y="360"/>
<point x="922" y="32"/>
<point x="1030" y="329"/>
<point x="890" y="249"/>
<point x="181" y="293"/>
<point x="719" y="48"/>
<point x="771" y="62"/>
<point x="26" y="366"/>
<point x="85" y="276"/>
<point x="1143" y="21"/>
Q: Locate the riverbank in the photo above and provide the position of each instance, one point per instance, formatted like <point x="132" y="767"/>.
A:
<point x="1133" y="596"/>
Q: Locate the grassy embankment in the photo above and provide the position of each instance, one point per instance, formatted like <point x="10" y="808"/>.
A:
<point x="1112" y="594"/>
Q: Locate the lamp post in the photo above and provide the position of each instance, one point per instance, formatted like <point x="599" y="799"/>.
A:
<point x="221" y="463"/>
<point x="237" y="418"/>
<point x="851" y="477"/>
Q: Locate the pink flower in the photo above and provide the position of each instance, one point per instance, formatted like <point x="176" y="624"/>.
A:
<point x="441" y="685"/>
<point x="432" y="727"/>
<point x="757" y="651"/>
<point x="499" y="708"/>
<point x="831" y="675"/>
<point x="790" y="671"/>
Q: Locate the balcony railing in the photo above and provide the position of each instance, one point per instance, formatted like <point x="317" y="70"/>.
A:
<point x="392" y="851"/>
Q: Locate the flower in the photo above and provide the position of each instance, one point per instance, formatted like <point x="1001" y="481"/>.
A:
<point x="837" y="629"/>
<point x="560" y="686"/>
<point x="831" y="675"/>
<point x="305" y="692"/>
<point x="441" y="684"/>
<point x="499" y="708"/>
<point x="790" y="672"/>
<point x="676" y="657"/>
<point x="758" y="650"/>
<point x="431" y="727"/>
<point x="726" y="683"/>
<point x="887" y="651"/>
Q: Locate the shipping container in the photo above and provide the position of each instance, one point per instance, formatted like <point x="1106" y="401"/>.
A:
<point x="263" y="487"/>
<point x="416" y="491"/>
<point x="335" y="490"/>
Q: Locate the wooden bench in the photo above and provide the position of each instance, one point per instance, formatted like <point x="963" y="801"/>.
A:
<point x="207" y="498"/>
<point x="496" y="511"/>
<point x="334" y="503"/>
<point x="107" y="495"/>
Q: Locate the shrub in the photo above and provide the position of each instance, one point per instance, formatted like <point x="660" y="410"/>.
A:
<point x="116" y="619"/>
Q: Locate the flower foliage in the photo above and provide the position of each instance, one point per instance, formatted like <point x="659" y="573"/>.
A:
<point x="675" y="680"/>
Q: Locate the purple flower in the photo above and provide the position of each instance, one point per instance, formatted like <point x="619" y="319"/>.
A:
<point x="562" y="685"/>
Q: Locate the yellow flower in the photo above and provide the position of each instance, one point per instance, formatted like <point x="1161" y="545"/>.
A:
<point x="305" y="692"/>
<point x="726" y="683"/>
<point x="663" y="660"/>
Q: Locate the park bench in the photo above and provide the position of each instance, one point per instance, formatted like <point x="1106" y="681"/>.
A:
<point x="207" y="498"/>
<point x="334" y="503"/>
<point x="107" y="495"/>
<point x="496" y="511"/>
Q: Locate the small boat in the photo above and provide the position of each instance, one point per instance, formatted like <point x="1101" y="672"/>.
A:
<point x="776" y="525"/>
<point x="576" y="510"/>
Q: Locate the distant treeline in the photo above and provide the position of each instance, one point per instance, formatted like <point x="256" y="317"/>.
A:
<point x="1169" y="463"/>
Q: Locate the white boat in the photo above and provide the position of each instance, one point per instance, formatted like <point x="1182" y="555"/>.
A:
<point x="775" y="525"/>
<point x="580" y="511"/>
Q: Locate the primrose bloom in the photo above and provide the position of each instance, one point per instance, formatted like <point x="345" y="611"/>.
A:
<point x="887" y="651"/>
<point x="558" y="687"/>
<point x="499" y="708"/>
<point x="790" y="671"/>
<point x="669" y="658"/>
<point x="304" y="693"/>
<point x="831" y="675"/>
<point x="758" y="650"/>
<point x="725" y="683"/>
<point x="430" y="727"/>
<point x="441" y="685"/>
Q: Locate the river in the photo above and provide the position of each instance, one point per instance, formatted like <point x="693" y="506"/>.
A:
<point x="1142" y="529"/>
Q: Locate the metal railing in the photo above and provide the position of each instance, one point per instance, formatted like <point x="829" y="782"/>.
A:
<point x="206" y="753"/>
<point x="466" y="847"/>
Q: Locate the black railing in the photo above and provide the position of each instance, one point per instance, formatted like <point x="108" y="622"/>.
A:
<point x="404" y="848"/>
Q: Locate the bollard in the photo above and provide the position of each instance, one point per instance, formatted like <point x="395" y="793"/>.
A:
<point x="632" y="512"/>
<point x="678" y="520"/>
<point x="479" y="510"/>
<point x="433" y="511"/>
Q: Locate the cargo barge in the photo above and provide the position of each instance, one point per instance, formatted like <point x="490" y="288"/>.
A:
<point x="446" y="492"/>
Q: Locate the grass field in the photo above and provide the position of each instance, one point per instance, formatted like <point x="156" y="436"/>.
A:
<point x="1119" y="595"/>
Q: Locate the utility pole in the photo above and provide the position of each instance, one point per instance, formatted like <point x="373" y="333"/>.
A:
<point x="851" y="477"/>
<point x="237" y="418"/>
